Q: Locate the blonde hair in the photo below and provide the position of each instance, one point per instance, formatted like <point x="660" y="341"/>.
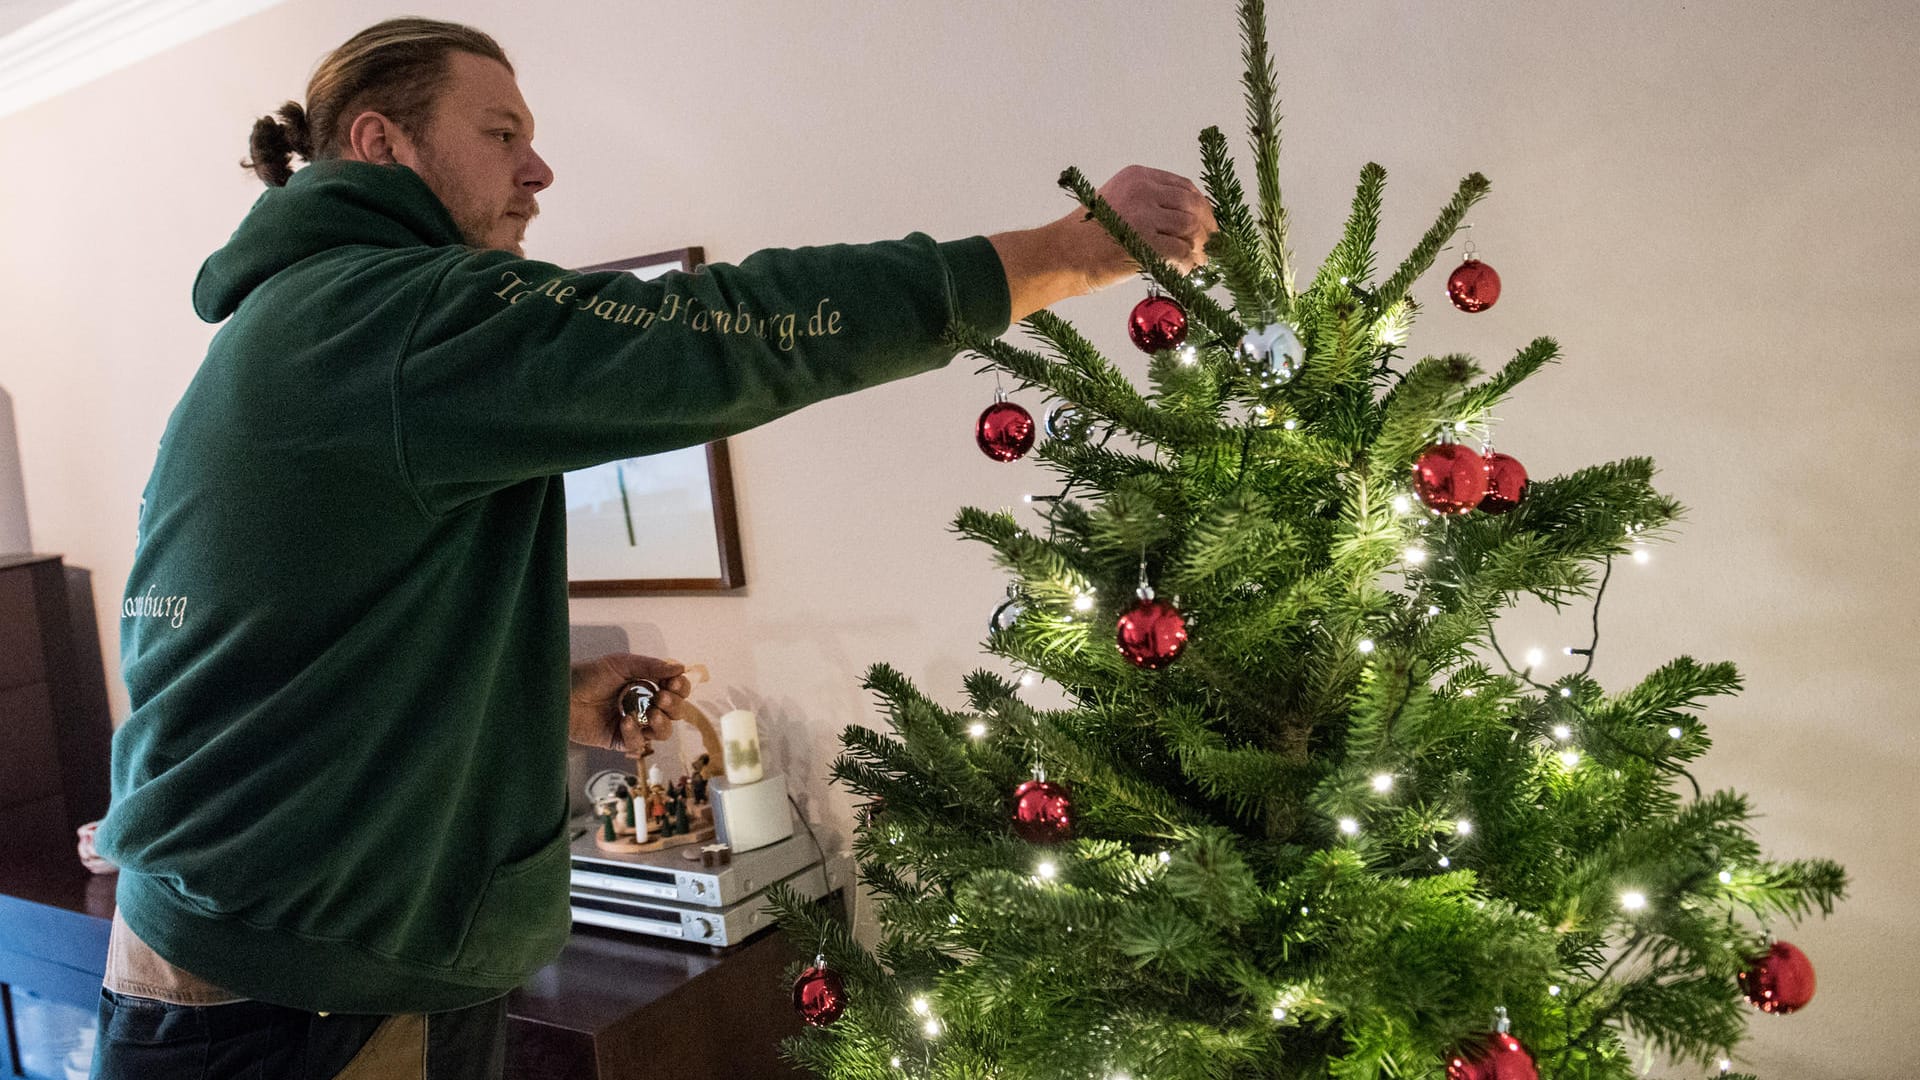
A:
<point x="396" y="68"/>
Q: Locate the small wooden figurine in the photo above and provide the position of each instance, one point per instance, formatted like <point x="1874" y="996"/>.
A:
<point x="649" y="815"/>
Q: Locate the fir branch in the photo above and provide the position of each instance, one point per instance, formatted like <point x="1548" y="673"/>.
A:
<point x="1236" y="539"/>
<point x="1539" y="353"/>
<point x="1263" y="128"/>
<point x="1351" y="260"/>
<point x="1235" y="248"/>
<point x="1471" y="190"/>
<point x="1097" y="467"/>
<point x="1240" y="268"/>
<point x="1114" y="400"/>
<point x="1413" y="414"/>
<point x="1664" y="695"/>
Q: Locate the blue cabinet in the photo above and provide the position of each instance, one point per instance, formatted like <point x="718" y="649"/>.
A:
<point x="54" y="921"/>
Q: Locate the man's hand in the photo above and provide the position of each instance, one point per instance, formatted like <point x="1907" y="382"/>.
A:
<point x="89" y="856"/>
<point x="593" y="712"/>
<point x="1074" y="255"/>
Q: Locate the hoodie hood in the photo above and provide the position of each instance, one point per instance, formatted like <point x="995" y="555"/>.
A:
<point x="326" y="205"/>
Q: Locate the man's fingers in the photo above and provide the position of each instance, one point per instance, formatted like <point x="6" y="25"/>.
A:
<point x="1182" y="249"/>
<point x="648" y="667"/>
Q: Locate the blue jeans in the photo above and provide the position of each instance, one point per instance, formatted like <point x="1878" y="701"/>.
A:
<point x="144" y="1039"/>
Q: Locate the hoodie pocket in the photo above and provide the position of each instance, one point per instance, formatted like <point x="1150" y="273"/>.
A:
<point x="523" y="919"/>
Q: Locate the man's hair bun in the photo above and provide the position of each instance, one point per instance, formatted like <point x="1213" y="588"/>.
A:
<point x="275" y="140"/>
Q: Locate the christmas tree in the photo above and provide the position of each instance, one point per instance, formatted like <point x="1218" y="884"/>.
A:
<point x="1303" y="816"/>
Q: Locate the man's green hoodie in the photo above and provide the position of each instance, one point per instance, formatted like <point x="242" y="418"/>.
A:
<point x="342" y="786"/>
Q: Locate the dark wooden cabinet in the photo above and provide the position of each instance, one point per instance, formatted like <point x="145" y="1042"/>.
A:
<point x="611" y="1008"/>
<point x="54" y="728"/>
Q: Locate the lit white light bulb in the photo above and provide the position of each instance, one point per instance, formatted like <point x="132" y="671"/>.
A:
<point x="1279" y="1013"/>
<point x="932" y="1028"/>
<point x="1083" y="602"/>
<point x="1383" y="782"/>
<point x="1188" y="354"/>
<point x="1433" y="609"/>
<point x="1445" y="862"/>
<point x="1046" y="870"/>
<point x="1641" y="554"/>
<point x="1463" y="827"/>
<point x="1366" y="645"/>
<point x="1726" y="877"/>
<point x="1570" y="758"/>
<point x="1633" y="900"/>
<point x="1535" y="658"/>
<point x="896" y="1063"/>
<point x="1562" y="732"/>
<point x="1290" y="424"/>
<point x="1027" y="679"/>
<point x="1415" y="555"/>
<point x="977" y="729"/>
<point x="1553" y="991"/>
<point x="1674" y="733"/>
<point x="1166" y="857"/>
<point x="1566" y="691"/>
<point x="922" y="1007"/>
<point x="1349" y="826"/>
<point x="1402" y="504"/>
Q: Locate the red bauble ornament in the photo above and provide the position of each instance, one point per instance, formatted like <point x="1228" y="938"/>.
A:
<point x="818" y="994"/>
<point x="1157" y="323"/>
<point x="1005" y="431"/>
<point x="1152" y="633"/>
<point x="1501" y="1057"/>
<point x="1473" y="286"/>
<point x="1450" y="478"/>
<point x="1506" y="483"/>
<point x="1042" y="813"/>
<point x="1780" y="980"/>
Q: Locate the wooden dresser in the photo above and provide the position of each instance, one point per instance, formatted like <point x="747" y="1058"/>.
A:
<point x="611" y="1008"/>
<point x="54" y="728"/>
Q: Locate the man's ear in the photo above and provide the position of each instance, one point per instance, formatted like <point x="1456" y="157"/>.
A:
<point x="374" y="138"/>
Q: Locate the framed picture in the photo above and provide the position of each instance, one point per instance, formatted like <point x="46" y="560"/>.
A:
<point x="658" y="524"/>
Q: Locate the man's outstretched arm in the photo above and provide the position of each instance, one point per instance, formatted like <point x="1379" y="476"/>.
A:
<point x="1074" y="256"/>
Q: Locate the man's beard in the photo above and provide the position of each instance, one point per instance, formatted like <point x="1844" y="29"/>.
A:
<point x="474" y="224"/>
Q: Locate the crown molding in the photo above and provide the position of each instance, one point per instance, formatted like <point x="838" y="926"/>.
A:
<point x="82" y="41"/>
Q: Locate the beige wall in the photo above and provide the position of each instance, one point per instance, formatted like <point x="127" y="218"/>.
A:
<point x="1711" y="206"/>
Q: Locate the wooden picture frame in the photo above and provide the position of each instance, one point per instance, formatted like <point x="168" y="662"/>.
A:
<point x="691" y="491"/>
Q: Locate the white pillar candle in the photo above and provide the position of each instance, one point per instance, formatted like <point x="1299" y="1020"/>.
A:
<point x="740" y="743"/>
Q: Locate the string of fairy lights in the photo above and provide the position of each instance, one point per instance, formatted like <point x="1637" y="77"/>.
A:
<point x="1006" y="432"/>
<point x="1047" y="871"/>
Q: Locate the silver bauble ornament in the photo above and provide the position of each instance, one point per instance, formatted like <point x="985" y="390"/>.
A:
<point x="1067" y="422"/>
<point x="1274" y="353"/>
<point x="1007" y="613"/>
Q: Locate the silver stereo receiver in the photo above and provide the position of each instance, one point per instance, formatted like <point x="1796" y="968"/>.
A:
<point x="702" y="925"/>
<point x="670" y="875"/>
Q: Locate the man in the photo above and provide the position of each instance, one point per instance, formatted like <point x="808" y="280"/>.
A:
<point x="339" y="802"/>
